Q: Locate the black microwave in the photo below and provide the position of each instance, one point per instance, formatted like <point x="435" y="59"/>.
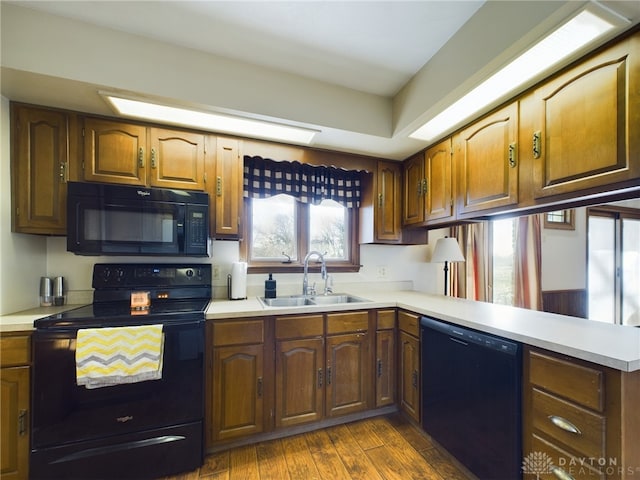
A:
<point x="106" y="219"/>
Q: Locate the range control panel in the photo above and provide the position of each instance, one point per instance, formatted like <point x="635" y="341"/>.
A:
<point x="135" y="275"/>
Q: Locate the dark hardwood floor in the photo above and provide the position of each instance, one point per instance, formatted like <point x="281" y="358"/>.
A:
<point x="386" y="447"/>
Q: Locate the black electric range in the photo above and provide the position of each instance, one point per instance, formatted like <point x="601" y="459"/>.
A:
<point x="147" y="429"/>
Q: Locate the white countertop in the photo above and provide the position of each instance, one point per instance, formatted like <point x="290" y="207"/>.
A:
<point x="614" y="346"/>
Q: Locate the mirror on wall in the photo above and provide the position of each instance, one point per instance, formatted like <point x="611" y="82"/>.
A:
<point x="591" y="262"/>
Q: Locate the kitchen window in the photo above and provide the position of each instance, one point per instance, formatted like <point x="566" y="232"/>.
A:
<point x="295" y="208"/>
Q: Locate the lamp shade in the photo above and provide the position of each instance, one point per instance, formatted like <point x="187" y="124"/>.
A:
<point x="447" y="250"/>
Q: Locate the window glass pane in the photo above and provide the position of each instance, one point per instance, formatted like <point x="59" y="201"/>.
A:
<point x="274" y="229"/>
<point x="631" y="271"/>
<point x="503" y="251"/>
<point x="601" y="269"/>
<point x="328" y="230"/>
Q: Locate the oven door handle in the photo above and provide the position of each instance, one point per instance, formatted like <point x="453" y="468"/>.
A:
<point x="94" y="452"/>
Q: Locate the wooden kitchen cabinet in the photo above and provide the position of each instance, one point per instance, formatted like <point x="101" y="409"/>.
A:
<point x="132" y="154"/>
<point x="39" y="170"/>
<point x="413" y="190"/>
<point x="389" y="201"/>
<point x="226" y="192"/>
<point x="428" y="186"/>
<point x="237" y="379"/>
<point x="580" y="417"/>
<point x="586" y="124"/>
<point x="15" y="358"/>
<point x="409" y="364"/>
<point x="439" y="183"/>
<point x="299" y="375"/>
<point x="385" y="366"/>
<point x="486" y="159"/>
<point x="347" y="373"/>
<point x="177" y="159"/>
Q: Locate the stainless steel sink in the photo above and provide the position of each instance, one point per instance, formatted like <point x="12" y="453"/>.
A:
<point x="291" y="301"/>
<point x="301" y="300"/>
<point x="336" y="298"/>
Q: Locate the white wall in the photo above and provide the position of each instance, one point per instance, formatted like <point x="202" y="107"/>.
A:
<point x="22" y="257"/>
<point x="384" y="267"/>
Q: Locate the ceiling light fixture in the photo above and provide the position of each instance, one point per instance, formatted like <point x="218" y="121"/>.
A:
<point x="209" y="121"/>
<point x="580" y="31"/>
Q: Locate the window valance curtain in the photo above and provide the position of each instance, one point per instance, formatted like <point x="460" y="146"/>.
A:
<point x="265" y="178"/>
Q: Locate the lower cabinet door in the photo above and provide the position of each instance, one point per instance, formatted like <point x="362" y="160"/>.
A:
<point x="385" y="368"/>
<point x="299" y="381"/>
<point x="410" y="375"/>
<point x="14" y="434"/>
<point x="238" y="391"/>
<point x="347" y="373"/>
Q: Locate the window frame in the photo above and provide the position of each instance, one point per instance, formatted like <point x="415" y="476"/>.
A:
<point x="352" y="264"/>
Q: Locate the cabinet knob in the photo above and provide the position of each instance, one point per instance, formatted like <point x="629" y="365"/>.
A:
<point x="154" y="158"/>
<point x="328" y="375"/>
<point x="379" y="368"/>
<point x="141" y="157"/>
<point x="319" y="378"/>
<point x="259" y="387"/>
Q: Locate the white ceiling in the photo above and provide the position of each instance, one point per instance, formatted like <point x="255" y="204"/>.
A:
<point x="365" y="66"/>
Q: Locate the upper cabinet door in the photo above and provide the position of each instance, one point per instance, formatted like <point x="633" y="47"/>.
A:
<point x="414" y="182"/>
<point x="114" y="152"/>
<point x="176" y="159"/>
<point x="40" y="168"/>
<point x="587" y="124"/>
<point x="486" y="155"/>
<point x="229" y="169"/>
<point x="388" y="202"/>
<point x="439" y="185"/>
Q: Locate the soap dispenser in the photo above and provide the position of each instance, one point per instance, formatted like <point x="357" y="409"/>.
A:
<point x="270" y="287"/>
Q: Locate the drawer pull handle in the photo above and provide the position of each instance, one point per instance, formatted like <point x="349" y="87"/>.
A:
<point x="564" y="424"/>
<point x="561" y="474"/>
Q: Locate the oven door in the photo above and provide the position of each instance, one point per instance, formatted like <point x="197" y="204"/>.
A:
<point x="147" y="227"/>
<point x="75" y="428"/>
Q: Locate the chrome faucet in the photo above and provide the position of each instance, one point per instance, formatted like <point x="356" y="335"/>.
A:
<point x="323" y="272"/>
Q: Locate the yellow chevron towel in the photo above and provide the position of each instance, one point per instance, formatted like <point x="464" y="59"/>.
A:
<point x="113" y="356"/>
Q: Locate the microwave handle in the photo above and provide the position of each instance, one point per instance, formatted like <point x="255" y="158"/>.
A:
<point x="180" y="235"/>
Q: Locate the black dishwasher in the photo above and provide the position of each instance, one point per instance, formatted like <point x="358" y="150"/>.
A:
<point x="471" y="397"/>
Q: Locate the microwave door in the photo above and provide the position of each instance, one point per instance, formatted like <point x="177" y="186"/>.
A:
<point x="163" y="228"/>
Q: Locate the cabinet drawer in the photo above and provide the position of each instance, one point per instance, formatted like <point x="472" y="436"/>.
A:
<point x="238" y="332"/>
<point x="409" y="322"/>
<point x="550" y="414"/>
<point x="347" y="322"/>
<point x="547" y="457"/>
<point x="583" y="385"/>
<point x="385" y="319"/>
<point x="299" y="326"/>
<point x="15" y="350"/>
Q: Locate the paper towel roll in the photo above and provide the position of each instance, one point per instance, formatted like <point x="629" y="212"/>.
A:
<point x="238" y="281"/>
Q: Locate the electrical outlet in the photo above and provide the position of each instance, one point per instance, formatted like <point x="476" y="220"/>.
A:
<point x="381" y="271"/>
<point x="216" y="272"/>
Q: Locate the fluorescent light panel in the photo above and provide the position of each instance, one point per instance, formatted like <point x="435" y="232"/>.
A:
<point x="210" y="121"/>
<point x="570" y="37"/>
